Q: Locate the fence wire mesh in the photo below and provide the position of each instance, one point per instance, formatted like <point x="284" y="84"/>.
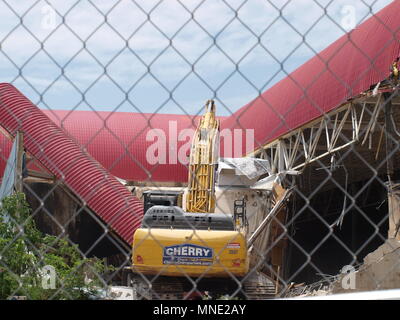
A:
<point x="292" y="188"/>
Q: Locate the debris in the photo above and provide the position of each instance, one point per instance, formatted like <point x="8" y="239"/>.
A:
<point x="121" y="293"/>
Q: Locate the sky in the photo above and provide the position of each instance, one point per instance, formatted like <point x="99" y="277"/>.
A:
<point x="163" y="56"/>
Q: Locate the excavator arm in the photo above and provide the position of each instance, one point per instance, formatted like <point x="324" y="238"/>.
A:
<point x="204" y="157"/>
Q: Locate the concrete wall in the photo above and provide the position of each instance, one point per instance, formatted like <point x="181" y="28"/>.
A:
<point x="57" y="212"/>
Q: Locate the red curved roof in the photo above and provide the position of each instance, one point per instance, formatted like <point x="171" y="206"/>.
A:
<point x="118" y="141"/>
<point x="66" y="159"/>
<point x="346" y="68"/>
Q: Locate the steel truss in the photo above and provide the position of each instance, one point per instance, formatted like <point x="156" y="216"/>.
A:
<point x="355" y="122"/>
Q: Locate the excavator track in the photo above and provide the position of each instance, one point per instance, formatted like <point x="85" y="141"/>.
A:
<point x="257" y="287"/>
<point x="167" y="289"/>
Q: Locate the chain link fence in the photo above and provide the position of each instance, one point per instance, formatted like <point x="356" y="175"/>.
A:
<point x="100" y="102"/>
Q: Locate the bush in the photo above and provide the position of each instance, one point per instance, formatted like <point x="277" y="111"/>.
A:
<point x="24" y="251"/>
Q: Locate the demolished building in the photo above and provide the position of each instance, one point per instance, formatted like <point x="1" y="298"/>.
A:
<point x="329" y="129"/>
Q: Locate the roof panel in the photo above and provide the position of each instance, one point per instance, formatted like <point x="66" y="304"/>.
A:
<point x="66" y="159"/>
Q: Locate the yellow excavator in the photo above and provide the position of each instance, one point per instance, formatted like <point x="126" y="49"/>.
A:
<point x="181" y="235"/>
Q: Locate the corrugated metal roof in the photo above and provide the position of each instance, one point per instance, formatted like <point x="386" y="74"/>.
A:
<point x="346" y="68"/>
<point x="120" y="141"/>
<point x="86" y="177"/>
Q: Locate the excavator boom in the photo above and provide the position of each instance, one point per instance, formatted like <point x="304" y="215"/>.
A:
<point x="203" y="163"/>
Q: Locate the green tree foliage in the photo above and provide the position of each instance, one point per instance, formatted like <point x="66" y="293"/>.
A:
<point x="24" y="251"/>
